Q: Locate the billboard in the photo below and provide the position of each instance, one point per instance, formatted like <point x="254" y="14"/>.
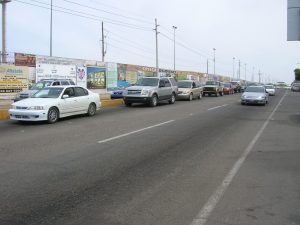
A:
<point x="13" y="79"/>
<point x="111" y="76"/>
<point x="81" y="76"/>
<point x="293" y="20"/>
<point x="96" y="77"/>
<point x="55" y="71"/>
<point x="22" y="59"/>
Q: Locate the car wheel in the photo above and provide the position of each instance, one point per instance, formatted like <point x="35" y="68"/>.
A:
<point x="52" y="115"/>
<point x="242" y="103"/>
<point x="217" y="94"/>
<point x="128" y="104"/>
<point x="200" y="96"/>
<point x="191" y="97"/>
<point x="221" y="93"/>
<point x="154" y="100"/>
<point x="173" y="99"/>
<point x="91" y="110"/>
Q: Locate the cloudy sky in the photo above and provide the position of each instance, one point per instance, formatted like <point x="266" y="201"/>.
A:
<point x="252" y="31"/>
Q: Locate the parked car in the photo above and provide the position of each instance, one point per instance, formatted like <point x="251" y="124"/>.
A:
<point x="117" y="92"/>
<point x="189" y="90"/>
<point x="295" y="87"/>
<point x="270" y="89"/>
<point x="228" y="89"/>
<point x="40" y="85"/>
<point x="213" y="87"/>
<point x="151" y="90"/>
<point x="255" y="95"/>
<point x="52" y="103"/>
<point x="236" y="86"/>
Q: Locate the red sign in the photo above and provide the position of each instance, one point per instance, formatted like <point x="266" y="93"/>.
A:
<point x="22" y="59"/>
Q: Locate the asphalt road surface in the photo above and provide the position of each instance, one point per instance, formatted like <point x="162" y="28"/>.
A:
<point x="210" y="161"/>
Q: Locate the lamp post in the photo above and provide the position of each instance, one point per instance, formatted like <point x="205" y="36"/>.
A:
<point x="214" y="61"/>
<point x="3" y="2"/>
<point x="233" y="67"/>
<point x="174" y="27"/>
<point x="51" y="30"/>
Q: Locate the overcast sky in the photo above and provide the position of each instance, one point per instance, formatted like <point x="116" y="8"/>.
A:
<point x="252" y="31"/>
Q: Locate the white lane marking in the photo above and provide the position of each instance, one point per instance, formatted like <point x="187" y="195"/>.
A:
<point x="212" y="202"/>
<point x="220" y="106"/>
<point x="133" y="132"/>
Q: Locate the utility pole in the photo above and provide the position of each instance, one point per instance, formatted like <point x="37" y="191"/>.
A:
<point x="233" y="68"/>
<point x="51" y="29"/>
<point x="3" y="2"/>
<point x="252" y="77"/>
<point x="239" y="69"/>
<point x="103" y="51"/>
<point x="207" y="69"/>
<point x="245" y="71"/>
<point x="214" y="61"/>
<point x="156" y="41"/>
<point x="259" y="74"/>
<point x="174" y="47"/>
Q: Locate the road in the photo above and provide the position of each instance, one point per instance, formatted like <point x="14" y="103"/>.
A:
<point x="210" y="161"/>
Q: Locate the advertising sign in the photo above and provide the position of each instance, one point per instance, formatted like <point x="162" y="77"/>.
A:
<point x="81" y="76"/>
<point x="13" y="79"/>
<point x="55" y="71"/>
<point x="96" y="77"/>
<point x="111" y="76"/>
<point x="22" y="59"/>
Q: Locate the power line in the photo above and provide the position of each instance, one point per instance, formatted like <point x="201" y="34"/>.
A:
<point x="81" y="14"/>
<point x="108" y="12"/>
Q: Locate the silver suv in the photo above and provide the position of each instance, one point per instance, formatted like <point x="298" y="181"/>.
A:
<point x="40" y="85"/>
<point x="151" y="90"/>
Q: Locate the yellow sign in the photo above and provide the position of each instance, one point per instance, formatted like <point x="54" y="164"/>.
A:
<point x="13" y="79"/>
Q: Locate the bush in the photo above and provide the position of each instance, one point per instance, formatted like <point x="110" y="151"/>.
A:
<point x="297" y="74"/>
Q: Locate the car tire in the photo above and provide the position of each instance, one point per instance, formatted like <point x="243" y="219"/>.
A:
<point x="200" y="96"/>
<point x="91" y="110"/>
<point x="221" y="93"/>
<point x="154" y="100"/>
<point x="191" y="97"/>
<point x="217" y="94"/>
<point x="53" y="115"/>
<point x="128" y="104"/>
<point x="173" y="99"/>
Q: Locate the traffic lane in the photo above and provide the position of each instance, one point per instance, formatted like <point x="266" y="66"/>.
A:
<point x="266" y="190"/>
<point x="31" y="141"/>
<point x="132" y="178"/>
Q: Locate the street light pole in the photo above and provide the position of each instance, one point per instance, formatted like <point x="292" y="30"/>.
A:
<point x="174" y="47"/>
<point x="214" y="61"/>
<point x="233" y="67"/>
<point x="51" y="30"/>
<point x="3" y="2"/>
<point x="245" y="71"/>
<point x="156" y="41"/>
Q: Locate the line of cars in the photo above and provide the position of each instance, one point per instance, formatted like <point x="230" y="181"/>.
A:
<point x="53" y="99"/>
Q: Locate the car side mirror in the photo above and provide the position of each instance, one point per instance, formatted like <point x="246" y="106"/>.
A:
<point x="65" y="96"/>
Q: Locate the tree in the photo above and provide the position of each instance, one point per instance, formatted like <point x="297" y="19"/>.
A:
<point x="297" y="74"/>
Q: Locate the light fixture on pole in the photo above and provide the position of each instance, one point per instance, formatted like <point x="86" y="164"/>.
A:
<point x="214" y="61"/>
<point x="174" y="27"/>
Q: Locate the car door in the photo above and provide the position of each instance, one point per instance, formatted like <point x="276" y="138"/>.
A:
<point x="196" y="90"/>
<point x="68" y="104"/>
<point x="167" y="89"/>
<point x="82" y="98"/>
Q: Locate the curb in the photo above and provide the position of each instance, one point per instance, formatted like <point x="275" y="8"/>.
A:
<point x="104" y="103"/>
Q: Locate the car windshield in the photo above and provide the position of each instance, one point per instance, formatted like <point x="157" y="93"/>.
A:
<point x="255" y="89"/>
<point x="227" y="85"/>
<point x="147" y="82"/>
<point x="49" y="93"/>
<point x="211" y="83"/>
<point x="269" y="87"/>
<point x="184" y="84"/>
<point x="40" y="85"/>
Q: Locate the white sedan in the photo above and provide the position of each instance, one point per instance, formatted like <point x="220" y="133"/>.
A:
<point x="55" y="102"/>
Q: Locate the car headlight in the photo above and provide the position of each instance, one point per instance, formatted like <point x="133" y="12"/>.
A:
<point x="18" y="95"/>
<point x="244" y="96"/>
<point x="145" y="92"/>
<point x="13" y="107"/>
<point x="36" y="108"/>
<point x="185" y="92"/>
<point x="260" y="97"/>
